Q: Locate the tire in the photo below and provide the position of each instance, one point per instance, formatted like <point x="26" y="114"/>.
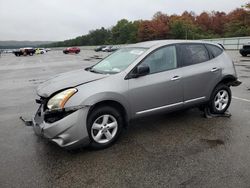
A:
<point x="244" y="55"/>
<point x="220" y="99"/>
<point x="99" y="123"/>
<point x="31" y="54"/>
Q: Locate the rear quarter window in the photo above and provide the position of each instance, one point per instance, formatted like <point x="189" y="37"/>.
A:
<point x="190" y="54"/>
<point x="215" y="51"/>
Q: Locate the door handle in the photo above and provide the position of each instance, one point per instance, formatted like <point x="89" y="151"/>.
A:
<point x="175" y="78"/>
<point x="214" y="69"/>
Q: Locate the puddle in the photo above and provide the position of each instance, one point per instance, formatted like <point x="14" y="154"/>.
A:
<point x="213" y="143"/>
<point x="95" y="57"/>
<point x="245" y="60"/>
<point x="33" y="80"/>
<point x="36" y="81"/>
<point x="246" y="70"/>
<point x="244" y="76"/>
<point x="201" y="146"/>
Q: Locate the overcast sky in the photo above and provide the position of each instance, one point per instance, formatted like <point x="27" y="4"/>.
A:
<point x="64" y="19"/>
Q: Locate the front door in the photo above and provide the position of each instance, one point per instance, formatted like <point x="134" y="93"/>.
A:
<point x="161" y="89"/>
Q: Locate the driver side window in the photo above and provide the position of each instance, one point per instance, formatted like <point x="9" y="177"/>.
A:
<point x="161" y="60"/>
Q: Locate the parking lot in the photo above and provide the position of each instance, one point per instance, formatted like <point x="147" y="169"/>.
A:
<point x="181" y="149"/>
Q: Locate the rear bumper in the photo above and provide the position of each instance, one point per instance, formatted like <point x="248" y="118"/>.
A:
<point x="70" y="132"/>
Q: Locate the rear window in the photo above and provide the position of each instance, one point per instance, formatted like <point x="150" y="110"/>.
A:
<point x="193" y="54"/>
<point x="214" y="50"/>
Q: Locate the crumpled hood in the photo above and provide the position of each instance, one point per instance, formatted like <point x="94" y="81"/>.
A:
<point x="67" y="80"/>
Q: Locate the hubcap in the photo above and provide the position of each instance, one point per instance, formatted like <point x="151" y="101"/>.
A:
<point x="221" y="100"/>
<point x="104" y="129"/>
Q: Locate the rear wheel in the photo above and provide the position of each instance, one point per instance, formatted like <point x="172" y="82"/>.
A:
<point x="104" y="127"/>
<point x="220" y="99"/>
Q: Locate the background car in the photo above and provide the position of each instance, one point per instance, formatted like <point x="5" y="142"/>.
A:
<point x="74" y="50"/>
<point x="106" y="49"/>
<point x="40" y="51"/>
<point x="113" y="48"/>
<point x="109" y="49"/>
<point x="24" y="51"/>
<point x="99" y="48"/>
<point x="7" y="51"/>
<point x="245" y="50"/>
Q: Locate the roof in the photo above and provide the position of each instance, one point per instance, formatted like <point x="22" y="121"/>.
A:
<point x="150" y="44"/>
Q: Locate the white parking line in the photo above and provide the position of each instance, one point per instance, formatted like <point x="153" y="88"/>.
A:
<point x="246" y="100"/>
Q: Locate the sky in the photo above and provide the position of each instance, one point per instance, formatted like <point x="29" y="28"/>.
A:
<point x="54" y="20"/>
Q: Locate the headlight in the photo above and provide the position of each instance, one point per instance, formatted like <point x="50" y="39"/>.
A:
<point x="60" y="99"/>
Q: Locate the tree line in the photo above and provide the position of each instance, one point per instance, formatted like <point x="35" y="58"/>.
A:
<point x="188" y="25"/>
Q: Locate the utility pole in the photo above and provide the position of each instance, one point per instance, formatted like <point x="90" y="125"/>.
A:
<point x="186" y="32"/>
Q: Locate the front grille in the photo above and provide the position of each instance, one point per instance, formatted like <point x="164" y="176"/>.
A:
<point x="51" y="117"/>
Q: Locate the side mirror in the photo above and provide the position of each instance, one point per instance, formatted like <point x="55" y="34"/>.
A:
<point x="141" y="70"/>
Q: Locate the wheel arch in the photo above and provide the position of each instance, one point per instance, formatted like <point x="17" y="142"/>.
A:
<point x="228" y="80"/>
<point x="112" y="103"/>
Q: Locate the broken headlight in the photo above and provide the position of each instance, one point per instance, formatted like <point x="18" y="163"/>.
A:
<point x="59" y="100"/>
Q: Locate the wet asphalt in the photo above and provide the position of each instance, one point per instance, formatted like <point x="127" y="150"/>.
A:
<point x="181" y="149"/>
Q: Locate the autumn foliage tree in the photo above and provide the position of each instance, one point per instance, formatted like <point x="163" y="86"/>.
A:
<point x="157" y="28"/>
<point x="188" y="25"/>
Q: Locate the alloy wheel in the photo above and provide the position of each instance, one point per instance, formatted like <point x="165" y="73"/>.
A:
<point x="221" y="100"/>
<point x="104" y="129"/>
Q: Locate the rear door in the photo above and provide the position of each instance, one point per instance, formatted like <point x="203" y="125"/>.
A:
<point x="200" y="74"/>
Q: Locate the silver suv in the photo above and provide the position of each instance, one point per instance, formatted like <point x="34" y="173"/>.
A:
<point x="91" y="106"/>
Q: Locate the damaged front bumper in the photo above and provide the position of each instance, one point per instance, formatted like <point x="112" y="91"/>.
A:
<point x="66" y="127"/>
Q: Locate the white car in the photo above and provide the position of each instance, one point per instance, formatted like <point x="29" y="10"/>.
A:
<point x="40" y="51"/>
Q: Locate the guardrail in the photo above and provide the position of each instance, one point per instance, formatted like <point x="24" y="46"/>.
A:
<point x="234" y="43"/>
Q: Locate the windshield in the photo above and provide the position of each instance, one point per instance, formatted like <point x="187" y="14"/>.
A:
<point x="118" y="61"/>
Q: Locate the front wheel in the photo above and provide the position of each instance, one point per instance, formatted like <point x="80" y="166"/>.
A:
<point x="220" y="99"/>
<point x="104" y="127"/>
